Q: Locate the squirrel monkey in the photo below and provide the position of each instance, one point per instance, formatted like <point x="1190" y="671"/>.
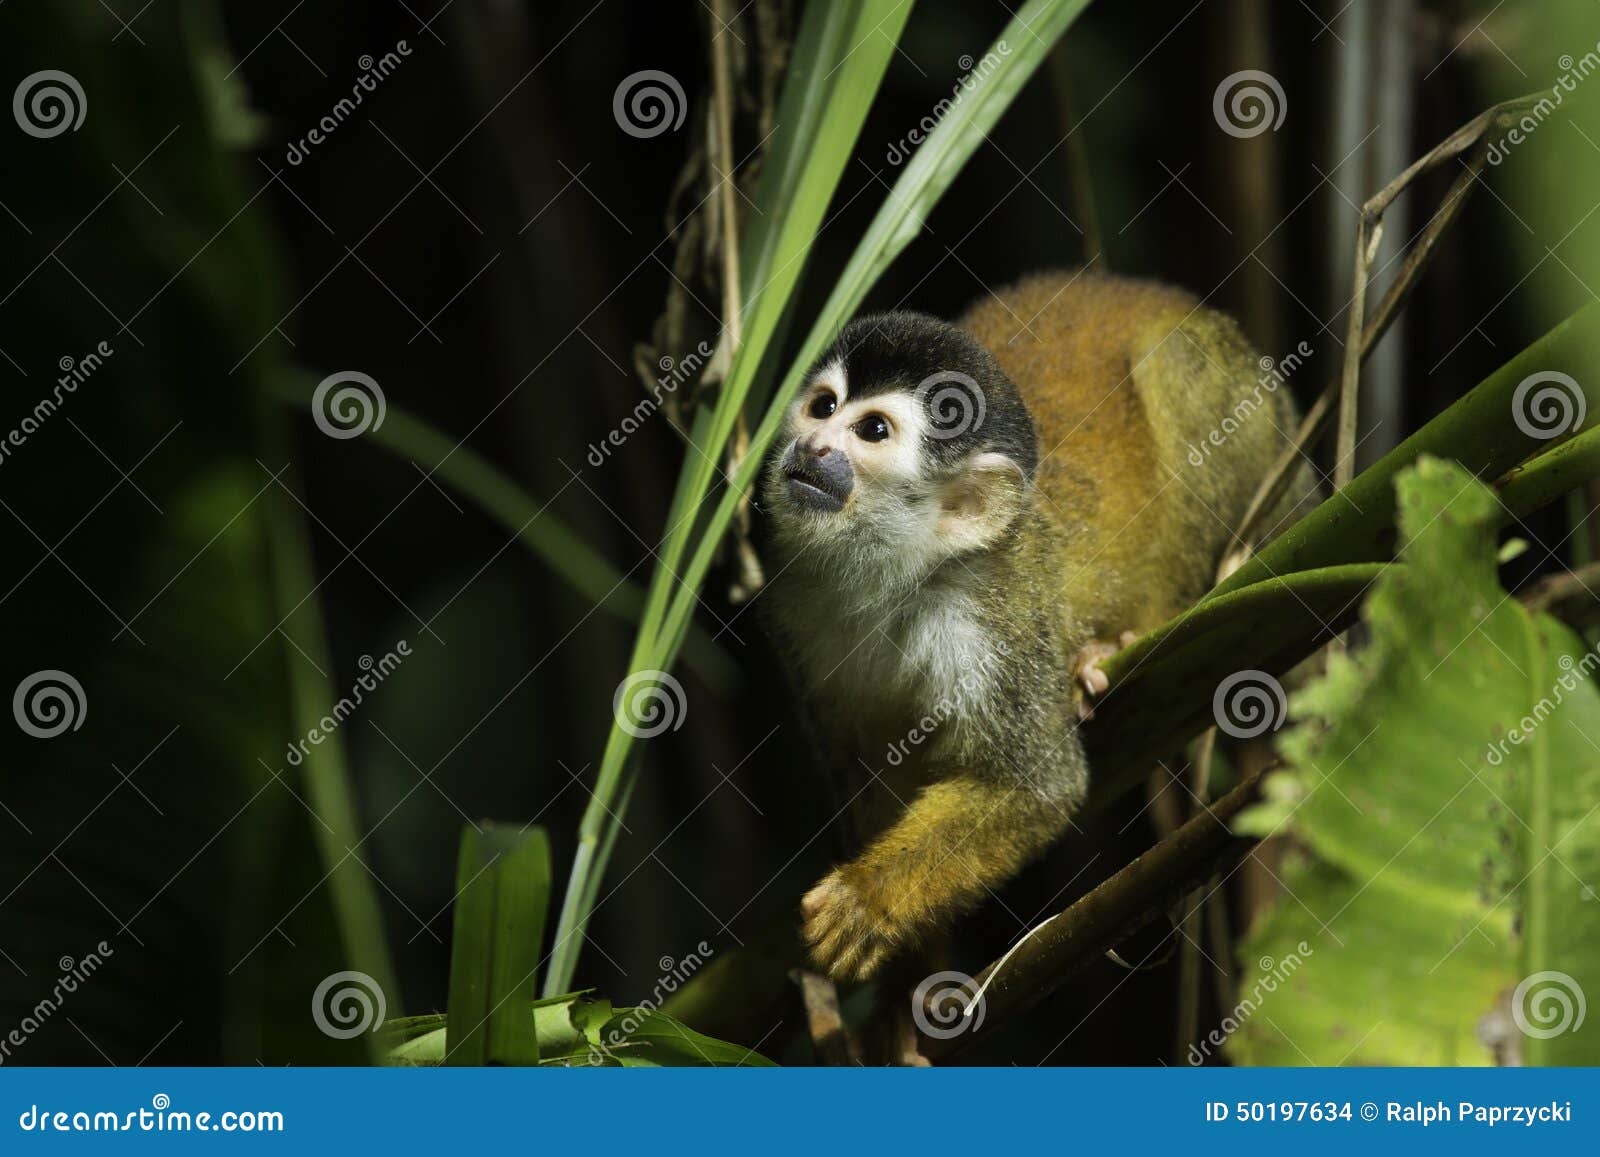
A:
<point x="963" y="516"/>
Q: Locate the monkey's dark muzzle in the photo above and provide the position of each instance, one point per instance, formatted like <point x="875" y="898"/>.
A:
<point x="818" y="483"/>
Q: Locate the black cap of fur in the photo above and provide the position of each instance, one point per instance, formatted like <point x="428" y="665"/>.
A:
<point x="901" y="351"/>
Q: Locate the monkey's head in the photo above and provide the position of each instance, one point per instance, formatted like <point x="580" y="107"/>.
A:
<point x="905" y="445"/>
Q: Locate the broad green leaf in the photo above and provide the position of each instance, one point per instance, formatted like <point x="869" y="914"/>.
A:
<point x="576" y="1031"/>
<point x="502" y="892"/>
<point x="1444" y="783"/>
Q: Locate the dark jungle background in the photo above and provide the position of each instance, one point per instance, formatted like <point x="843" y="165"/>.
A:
<point x="482" y="240"/>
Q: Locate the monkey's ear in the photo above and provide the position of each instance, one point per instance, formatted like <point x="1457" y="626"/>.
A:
<point x="980" y="503"/>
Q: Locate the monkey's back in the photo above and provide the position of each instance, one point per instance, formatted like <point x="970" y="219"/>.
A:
<point x="1128" y="381"/>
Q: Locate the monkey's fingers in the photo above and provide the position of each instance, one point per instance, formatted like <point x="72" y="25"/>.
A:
<point x="1086" y="673"/>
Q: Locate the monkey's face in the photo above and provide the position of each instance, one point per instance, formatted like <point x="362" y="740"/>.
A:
<point x="904" y="445"/>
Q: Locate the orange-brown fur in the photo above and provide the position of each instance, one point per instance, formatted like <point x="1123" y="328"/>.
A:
<point x="1119" y="530"/>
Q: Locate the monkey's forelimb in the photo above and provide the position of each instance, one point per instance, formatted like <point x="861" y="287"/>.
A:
<point x="962" y="837"/>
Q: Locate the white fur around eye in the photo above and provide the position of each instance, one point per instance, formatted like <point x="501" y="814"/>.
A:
<point x="898" y="456"/>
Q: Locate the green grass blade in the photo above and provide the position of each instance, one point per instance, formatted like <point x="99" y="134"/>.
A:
<point x="502" y="893"/>
<point x="535" y="526"/>
<point x="849" y="46"/>
<point x="325" y="773"/>
<point x="1021" y="48"/>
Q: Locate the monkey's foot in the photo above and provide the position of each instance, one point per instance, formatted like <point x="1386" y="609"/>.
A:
<point x="849" y="939"/>
<point x="1092" y="681"/>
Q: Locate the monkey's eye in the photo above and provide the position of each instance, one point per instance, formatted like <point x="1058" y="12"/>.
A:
<point x="872" y="428"/>
<point x="823" y="405"/>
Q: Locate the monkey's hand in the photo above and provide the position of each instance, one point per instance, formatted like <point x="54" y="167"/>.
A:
<point x="959" y="839"/>
<point x="1090" y="680"/>
<point x="849" y="934"/>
